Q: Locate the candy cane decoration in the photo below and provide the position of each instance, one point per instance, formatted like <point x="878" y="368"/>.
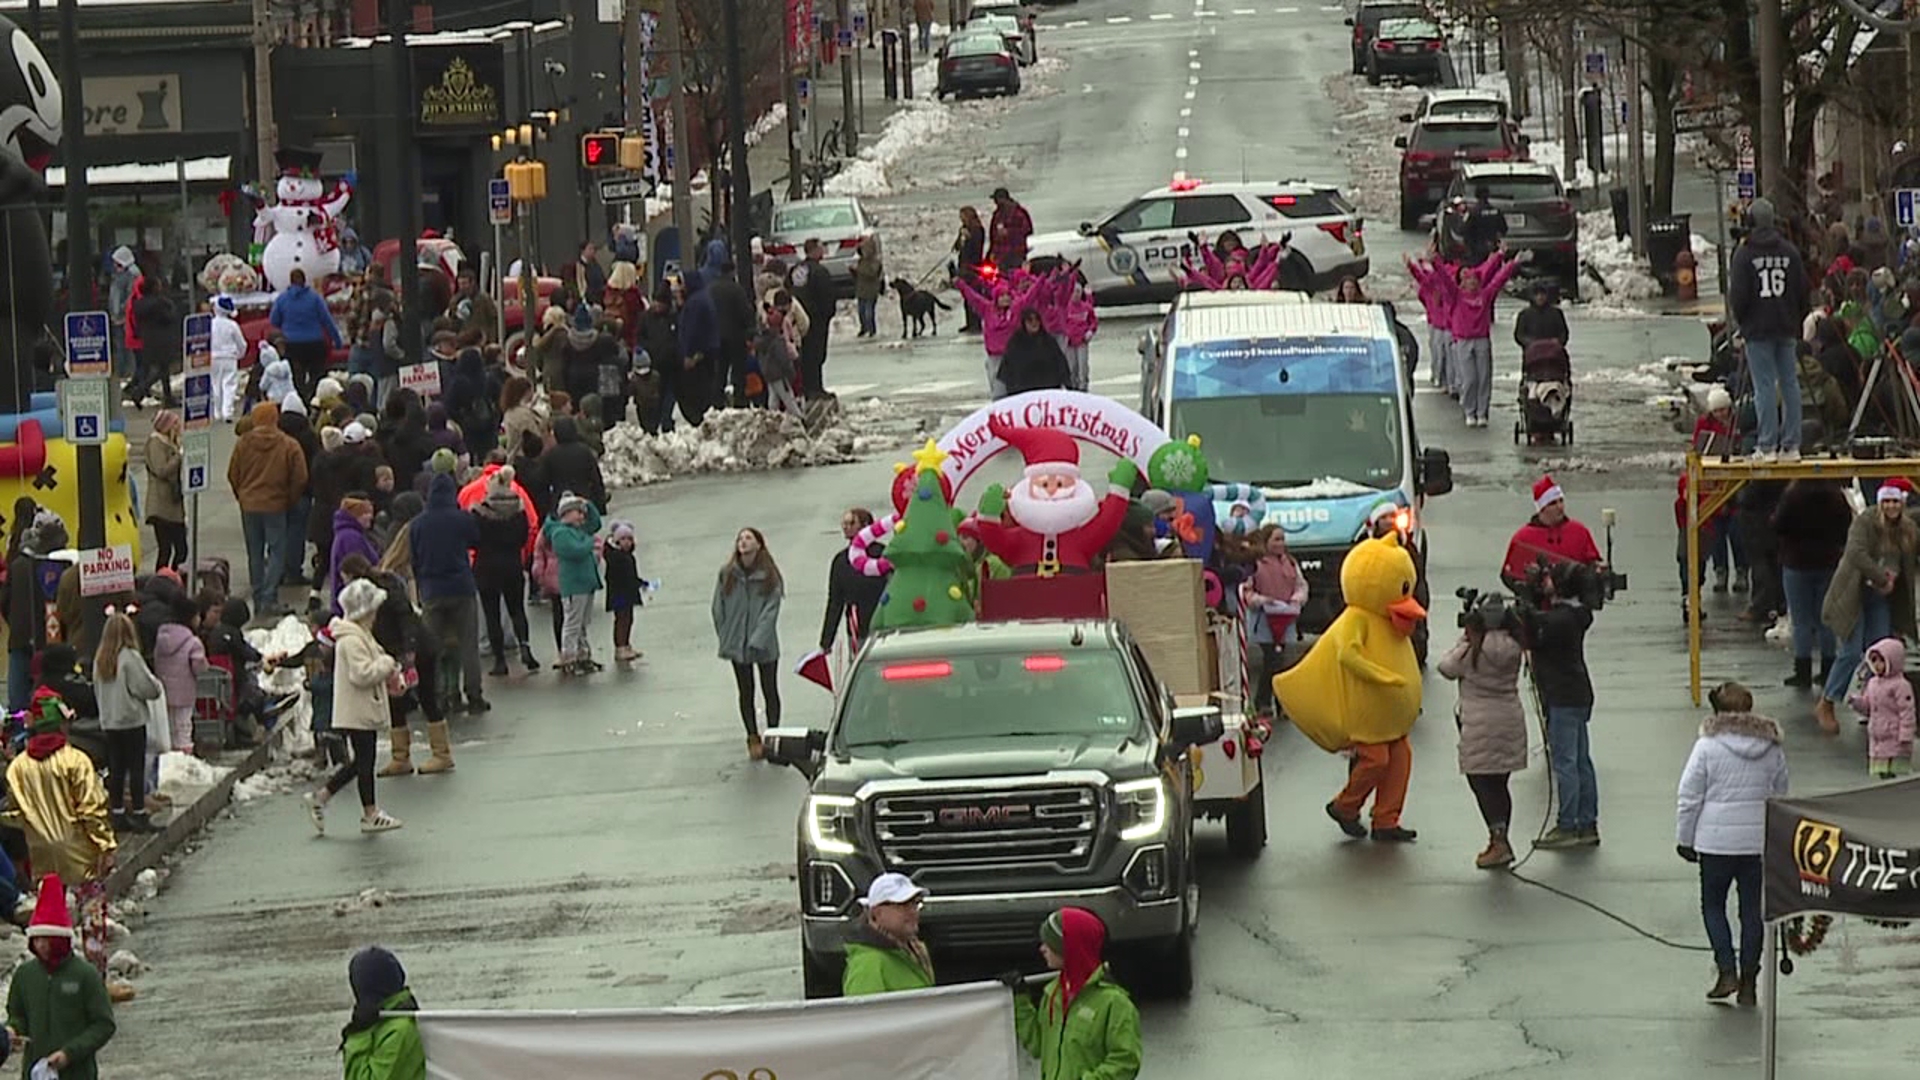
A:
<point x="1226" y="496"/>
<point x="874" y="533"/>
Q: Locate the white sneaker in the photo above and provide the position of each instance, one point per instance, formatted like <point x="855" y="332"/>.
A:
<point x="1763" y="457"/>
<point x="381" y="821"/>
<point x="317" y="811"/>
<point x="1790" y="454"/>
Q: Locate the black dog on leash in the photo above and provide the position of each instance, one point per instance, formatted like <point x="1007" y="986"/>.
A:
<point x="918" y="307"/>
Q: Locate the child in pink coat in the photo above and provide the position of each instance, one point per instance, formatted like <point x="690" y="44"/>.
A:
<point x="1433" y="300"/>
<point x="1887" y="703"/>
<point x="1000" y="315"/>
<point x="1470" y="319"/>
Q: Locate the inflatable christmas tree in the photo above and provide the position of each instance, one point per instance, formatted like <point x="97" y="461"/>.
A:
<point x="930" y="566"/>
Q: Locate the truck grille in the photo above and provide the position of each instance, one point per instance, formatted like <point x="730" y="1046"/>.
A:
<point x="1009" y="932"/>
<point x="1018" y="827"/>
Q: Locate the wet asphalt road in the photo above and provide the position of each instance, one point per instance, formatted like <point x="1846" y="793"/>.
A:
<point x="606" y="843"/>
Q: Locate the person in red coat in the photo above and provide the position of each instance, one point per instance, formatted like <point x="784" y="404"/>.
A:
<point x="476" y="491"/>
<point x="1549" y="534"/>
<point x="1051" y="522"/>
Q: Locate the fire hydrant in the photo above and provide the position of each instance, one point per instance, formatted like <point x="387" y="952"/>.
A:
<point x="1685" y="281"/>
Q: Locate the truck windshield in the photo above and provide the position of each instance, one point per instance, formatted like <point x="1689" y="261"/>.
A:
<point x="1281" y="440"/>
<point x="982" y="696"/>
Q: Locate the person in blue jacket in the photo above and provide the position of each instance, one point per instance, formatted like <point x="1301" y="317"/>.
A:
<point x="304" y="320"/>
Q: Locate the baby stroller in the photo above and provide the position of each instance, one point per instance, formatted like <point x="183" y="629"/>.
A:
<point x="1546" y="394"/>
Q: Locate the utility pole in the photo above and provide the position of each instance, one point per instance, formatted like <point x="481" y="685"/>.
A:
<point x="675" y="68"/>
<point x="790" y="68"/>
<point x="1913" y="86"/>
<point x="1569" y="101"/>
<point x="849" y="114"/>
<point x="265" y="132"/>
<point x="404" y="169"/>
<point x="906" y="51"/>
<point x="91" y="479"/>
<point x="739" y="229"/>
<point x="1636" y="151"/>
<point x="1772" y="150"/>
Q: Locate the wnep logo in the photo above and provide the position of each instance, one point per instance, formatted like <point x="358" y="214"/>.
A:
<point x="1816" y="848"/>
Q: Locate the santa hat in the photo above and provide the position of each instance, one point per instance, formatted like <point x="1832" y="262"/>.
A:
<point x="1894" y="489"/>
<point x="50" y="917"/>
<point x="1546" y="493"/>
<point x="1047" y="452"/>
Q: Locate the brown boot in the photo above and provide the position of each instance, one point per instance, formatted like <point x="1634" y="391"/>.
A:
<point x="1749" y="988"/>
<point x="402" y="763"/>
<point x="1823" y="714"/>
<point x="755" y="749"/>
<point x="1724" y="987"/>
<point x="1499" y="853"/>
<point x="442" y="759"/>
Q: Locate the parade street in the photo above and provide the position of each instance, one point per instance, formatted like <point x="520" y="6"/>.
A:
<point x="605" y="842"/>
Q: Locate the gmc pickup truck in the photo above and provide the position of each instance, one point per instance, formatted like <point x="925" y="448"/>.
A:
<point x="1010" y="768"/>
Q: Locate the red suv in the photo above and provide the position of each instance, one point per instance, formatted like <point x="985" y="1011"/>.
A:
<point x="1436" y="147"/>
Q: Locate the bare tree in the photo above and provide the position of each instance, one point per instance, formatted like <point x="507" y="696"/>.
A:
<point x="762" y="29"/>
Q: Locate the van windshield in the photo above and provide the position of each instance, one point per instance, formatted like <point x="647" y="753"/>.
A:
<point x="1283" y="440"/>
<point x="1076" y="692"/>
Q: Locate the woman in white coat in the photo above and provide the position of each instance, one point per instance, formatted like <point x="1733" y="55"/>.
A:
<point x="364" y="675"/>
<point x="1736" y="766"/>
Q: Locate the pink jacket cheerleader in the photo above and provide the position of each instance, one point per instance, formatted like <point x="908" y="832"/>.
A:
<point x="1233" y="272"/>
<point x="1000" y="313"/>
<point x="1469" y="303"/>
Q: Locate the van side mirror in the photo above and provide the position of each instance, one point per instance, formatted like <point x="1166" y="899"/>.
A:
<point x="1347" y="21"/>
<point x="1086" y="228"/>
<point x="1436" y="471"/>
<point x="1406" y="118"/>
<point x="1195" y="726"/>
<point x="797" y="748"/>
<point x="1400" y="141"/>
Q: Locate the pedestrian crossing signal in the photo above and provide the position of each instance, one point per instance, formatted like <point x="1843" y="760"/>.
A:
<point x="600" y="150"/>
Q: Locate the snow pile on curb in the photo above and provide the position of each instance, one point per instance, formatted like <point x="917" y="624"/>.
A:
<point x="277" y="779"/>
<point x="1629" y="278"/>
<point x="1669" y="461"/>
<point x="731" y="440"/>
<point x="916" y="123"/>
<point x="183" y="776"/>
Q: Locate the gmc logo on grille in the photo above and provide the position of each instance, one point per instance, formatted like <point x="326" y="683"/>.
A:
<point x="977" y="817"/>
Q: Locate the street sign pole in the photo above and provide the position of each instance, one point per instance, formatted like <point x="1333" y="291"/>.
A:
<point x="196" y="443"/>
<point x="500" y="213"/>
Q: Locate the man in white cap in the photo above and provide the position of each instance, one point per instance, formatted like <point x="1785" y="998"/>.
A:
<point x="229" y="347"/>
<point x="885" y="954"/>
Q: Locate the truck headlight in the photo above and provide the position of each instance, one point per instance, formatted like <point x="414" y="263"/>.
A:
<point x="830" y="824"/>
<point x="1146" y="874"/>
<point x="1143" y="807"/>
<point x="827" y="888"/>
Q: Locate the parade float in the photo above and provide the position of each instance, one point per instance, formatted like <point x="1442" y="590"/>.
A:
<point x="1052" y="528"/>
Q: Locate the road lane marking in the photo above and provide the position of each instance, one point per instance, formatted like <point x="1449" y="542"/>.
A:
<point x="1160" y="16"/>
<point x="1180" y="154"/>
<point x="1189" y="95"/>
<point x="1193" y="80"/>
<point x="1074" y="25"/>
<point x="1246" y="11"/>
<point x="1193" y="65"/>
<point x="1116" y="20"/>
<point x="1183" y="133"/>
<point x="1185" y="112"/>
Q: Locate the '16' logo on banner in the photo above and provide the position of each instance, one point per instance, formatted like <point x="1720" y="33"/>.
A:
<point x="1816" y="847"/>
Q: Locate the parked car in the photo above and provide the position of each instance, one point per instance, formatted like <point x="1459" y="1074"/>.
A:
<point x="1018" y="36"/>
<point x="1413" y="50"/>
<point x="1432" y="150"/>
<point x="839" y="223"/>
<point x="1366" y="19"/>
<point x="1464" y="102"/>
<point x="1540" y="217"/>
<point x="978" y="63"/>
<point x="1130" y="255"/>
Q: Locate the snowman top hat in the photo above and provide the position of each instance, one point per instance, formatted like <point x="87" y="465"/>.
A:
<point x="297" y="161"/>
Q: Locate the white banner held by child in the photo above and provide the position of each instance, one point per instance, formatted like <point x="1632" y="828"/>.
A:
<point x="950" y="1033"/>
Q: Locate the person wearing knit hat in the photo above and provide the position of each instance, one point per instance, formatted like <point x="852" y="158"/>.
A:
<point x="1549" y="536"/>
<point x="1871" y="595"/>
<point x="60" y="1007"/>
<point x="364" y="675"/>
<point x="506" y="517"/>
<point x="1768" y="294"/>
<point x="440" y="544"/>
<point x="624" y="588"/>
<point x="355" y="433"/>
<point x="327" y="391"/>
<point x="443" y="462"/>
<point x="331" y="438"/>
<point x="1105" y="1022"/>
<point x="570" y="534"/>
<point x="373" y="1045"/>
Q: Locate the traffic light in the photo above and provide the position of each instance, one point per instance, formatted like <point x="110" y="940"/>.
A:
<point x="600" y="150"/>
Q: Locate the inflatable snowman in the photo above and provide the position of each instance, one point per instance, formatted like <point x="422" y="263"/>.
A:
<point x="300" y="230"/>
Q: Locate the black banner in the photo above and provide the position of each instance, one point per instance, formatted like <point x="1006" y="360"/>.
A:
<point x="459" y="88"/>
<point x="1849" y="853"/>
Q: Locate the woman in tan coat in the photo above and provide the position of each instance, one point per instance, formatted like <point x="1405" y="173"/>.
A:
<point x="166" y="492"/>
<point x="1871" y="595"/>
<point x="363" y="677"/>
<point x="1493" y="724"/>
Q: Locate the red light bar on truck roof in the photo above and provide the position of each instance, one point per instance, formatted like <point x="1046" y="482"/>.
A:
<point x="932" y="669"/>
<point x="1045" y="663"/>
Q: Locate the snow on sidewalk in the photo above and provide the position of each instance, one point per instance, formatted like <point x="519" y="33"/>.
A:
<point x="917" y="122"/>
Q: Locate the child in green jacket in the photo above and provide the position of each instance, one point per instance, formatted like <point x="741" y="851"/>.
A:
<point x="376" y="1048"/>
<point x="1085" y="1027"/>
<point x="57" y="1004"/>
<point x="885" y="954"/>
<point x="570" y="532"/>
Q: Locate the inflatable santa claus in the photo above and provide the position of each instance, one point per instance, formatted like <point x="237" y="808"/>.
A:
<point x="1052" y="522"/>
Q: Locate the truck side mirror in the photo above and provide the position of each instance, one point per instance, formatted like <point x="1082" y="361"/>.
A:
<point x="1195" y="726"/>
<point x="1400" y="142"/>
<point x="1436" y="471"/>
<point x="797" y="748"/>
<point x="1406" y="118"/>
<point x="1086" y="228"/>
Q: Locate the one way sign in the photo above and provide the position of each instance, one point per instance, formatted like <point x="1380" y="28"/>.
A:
<point x="617" y="191"/>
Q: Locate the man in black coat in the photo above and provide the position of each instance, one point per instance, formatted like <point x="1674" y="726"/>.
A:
<point x="570" y="465"/>
<point x="813" y="286"/>
<point x="1541" y="320"/>
<point x="1768" y="292"/>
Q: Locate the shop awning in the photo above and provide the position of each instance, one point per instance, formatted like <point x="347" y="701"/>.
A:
<point x="164" y="172"/>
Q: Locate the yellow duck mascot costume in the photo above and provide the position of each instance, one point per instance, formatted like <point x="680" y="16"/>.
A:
<point x="1358" y="688"/>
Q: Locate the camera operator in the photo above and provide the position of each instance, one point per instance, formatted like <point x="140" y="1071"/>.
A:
<point x="1492" y="722"/>
<point x="1548" y="534"/>
<point x="1558" y="628"/>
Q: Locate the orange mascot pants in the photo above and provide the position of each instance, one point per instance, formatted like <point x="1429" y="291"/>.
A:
<point x="1382" y="771"/>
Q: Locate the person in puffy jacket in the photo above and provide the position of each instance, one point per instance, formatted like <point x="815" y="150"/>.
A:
<point x="1887" y="703"/>
<point x="1033" y="360"/>
<point x="506" y="519"/>
<point x="364" y="677"/>
<point x="1737" y="764"/>
<point x="1085" y="1024"/>
<point x="179" y="657"/>
<point x="1082" y="322"/>
<point x="1000" y="315"/>
<point x="1470" y="309"/>
<point x="374" y="1046"/>
<point x="351" y="525"/>
<point x="124" y="685"/>
<point x="440" y="544"/>
<point x="1493" y="724"/>
<point x="570" y="535"/>
<point x="884" y="952"/>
